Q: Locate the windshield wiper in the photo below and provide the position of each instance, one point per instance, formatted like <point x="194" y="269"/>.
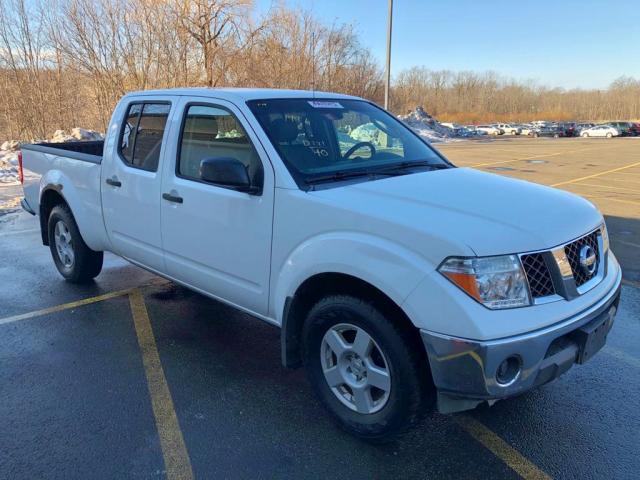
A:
<point x="417" y="163"/>
<point x="343" y="175"/>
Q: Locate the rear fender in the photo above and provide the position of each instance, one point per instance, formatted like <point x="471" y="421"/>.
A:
<point x="84" y="201"/>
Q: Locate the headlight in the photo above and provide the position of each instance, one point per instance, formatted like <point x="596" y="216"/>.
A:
<point x="495" y="282"/>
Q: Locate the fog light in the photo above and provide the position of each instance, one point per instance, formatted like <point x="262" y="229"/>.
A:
<point x="508" y="371"/>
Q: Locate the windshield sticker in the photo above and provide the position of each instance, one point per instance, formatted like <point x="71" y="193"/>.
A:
<point x="322" y="104"/>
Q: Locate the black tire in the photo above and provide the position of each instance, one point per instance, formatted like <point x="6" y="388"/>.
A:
<point x="411" y="392"/>
<point x="86" y="263"/>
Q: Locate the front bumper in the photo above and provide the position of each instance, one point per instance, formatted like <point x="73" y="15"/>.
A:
<point x="464" y="370"/>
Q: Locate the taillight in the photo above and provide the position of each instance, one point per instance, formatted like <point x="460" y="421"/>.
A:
<point x="20" y="170"/>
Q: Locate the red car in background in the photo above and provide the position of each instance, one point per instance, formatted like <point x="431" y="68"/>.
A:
<point x="634" y="129"/>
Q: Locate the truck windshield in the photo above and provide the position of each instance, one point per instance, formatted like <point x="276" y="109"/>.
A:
<point x="326" y="140"/>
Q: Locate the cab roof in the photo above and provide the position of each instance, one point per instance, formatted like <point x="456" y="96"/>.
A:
<point x="241" y="94"/>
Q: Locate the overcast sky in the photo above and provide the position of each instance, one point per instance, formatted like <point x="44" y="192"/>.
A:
<point x="568" y="43"/>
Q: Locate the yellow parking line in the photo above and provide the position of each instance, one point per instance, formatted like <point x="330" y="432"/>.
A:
<point x="620" y="189"/>
<point x="174" y="451"/>
<point x="532" y="157"/>
<point x="65" y="306"/>
<point x="501" y="449"/>
<point x="596" y="174"/>
<point x="631" y="283"/>
<point x="619" y="200"/>
<point x="17" y="232"/>
<point x="623" y="356"/>
<point x="625" y="178"/>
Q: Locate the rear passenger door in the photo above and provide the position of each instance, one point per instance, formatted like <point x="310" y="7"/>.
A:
<point x="131" y="181"/>
<point x="215" y="238"/>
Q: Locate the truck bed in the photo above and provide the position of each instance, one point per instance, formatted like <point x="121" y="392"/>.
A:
<point x="86" y="151"/>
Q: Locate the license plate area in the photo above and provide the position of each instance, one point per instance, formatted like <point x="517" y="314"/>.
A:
<point x="592" y="336"/>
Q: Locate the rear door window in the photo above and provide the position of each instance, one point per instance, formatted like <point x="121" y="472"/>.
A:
<point x="142" y="133"/>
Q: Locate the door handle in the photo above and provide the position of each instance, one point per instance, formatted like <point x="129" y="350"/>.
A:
<point x="114" y="182"/>
<point x="172" y="198"/>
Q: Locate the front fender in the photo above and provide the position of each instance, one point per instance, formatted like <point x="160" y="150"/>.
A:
<point x="81" y="191"/>
<point x="393" y="269"/>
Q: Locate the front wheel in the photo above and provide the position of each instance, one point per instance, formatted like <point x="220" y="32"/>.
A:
<point x="369" y="372"/>
<point x="74" y="260"/>
<point x="585" y="135"/>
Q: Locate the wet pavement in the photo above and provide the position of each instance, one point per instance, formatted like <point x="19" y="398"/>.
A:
<point x="76" y="400"/>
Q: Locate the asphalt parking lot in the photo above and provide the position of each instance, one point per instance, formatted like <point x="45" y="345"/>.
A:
<point x="134" y="377"/>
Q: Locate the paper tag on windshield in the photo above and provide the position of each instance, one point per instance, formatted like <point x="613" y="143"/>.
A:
<point x="323" y="104"/>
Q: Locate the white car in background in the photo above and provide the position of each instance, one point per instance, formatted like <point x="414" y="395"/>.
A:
<point x="489" y="129"/>
<point x="509" y="129"/>
<point x="600" y="131"/>
<point x="526" y="129"/>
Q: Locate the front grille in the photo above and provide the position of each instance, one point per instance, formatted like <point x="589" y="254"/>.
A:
<point x="572" y="251"/>
<point x="538" y="275"/>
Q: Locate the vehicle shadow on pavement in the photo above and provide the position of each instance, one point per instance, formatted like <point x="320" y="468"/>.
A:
<point x="241" y="412"/>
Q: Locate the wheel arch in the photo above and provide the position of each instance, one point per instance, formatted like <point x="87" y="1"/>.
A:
<point x="51" y="197"/>
<point x="321" y="285"/>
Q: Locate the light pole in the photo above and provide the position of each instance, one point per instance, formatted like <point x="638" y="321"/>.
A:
<point x="387" y="84"/>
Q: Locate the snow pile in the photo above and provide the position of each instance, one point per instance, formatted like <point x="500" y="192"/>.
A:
<point x="8" y="164"/>
<point x="76" y="134"/>
<point x="428" y="127"/>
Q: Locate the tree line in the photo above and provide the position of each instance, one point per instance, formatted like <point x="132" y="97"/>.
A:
<point x="65" y="63"/>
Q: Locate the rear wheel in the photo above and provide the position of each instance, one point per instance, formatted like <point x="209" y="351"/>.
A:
<point x="75" y="261"/>
<point x="585" y="135"/>
<point x="368" y="371"/>
<point x="609" y="135"/>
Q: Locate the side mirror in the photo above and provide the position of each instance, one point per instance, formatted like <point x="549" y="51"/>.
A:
<point x="227" y="172"/>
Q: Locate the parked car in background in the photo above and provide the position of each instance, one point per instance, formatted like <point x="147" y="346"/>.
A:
<point x="623" y="128"/>
<point x="509" y="129"/>
<point x="600" y="131"/>
<point x="634" y="130"/>
<point x="526" y="129"/>
<point x="474" y="129"/>
<point x="584" y="126"/>
<point x="546" y="131"/>
<point x="568" y="129"/>
<point x="489" y="129"/>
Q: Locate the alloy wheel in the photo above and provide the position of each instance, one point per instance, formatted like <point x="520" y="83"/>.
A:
<point x="355" y="368"/>
<point x="64" y="244"/>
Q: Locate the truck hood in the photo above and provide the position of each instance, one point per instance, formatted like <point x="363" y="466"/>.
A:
<point x="490" y="214"/>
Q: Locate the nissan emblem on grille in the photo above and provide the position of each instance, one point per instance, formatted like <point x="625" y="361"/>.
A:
<point x="588" y="259"/>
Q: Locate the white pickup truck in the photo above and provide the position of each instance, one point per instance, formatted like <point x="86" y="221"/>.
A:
<point x="398" y="280"/>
